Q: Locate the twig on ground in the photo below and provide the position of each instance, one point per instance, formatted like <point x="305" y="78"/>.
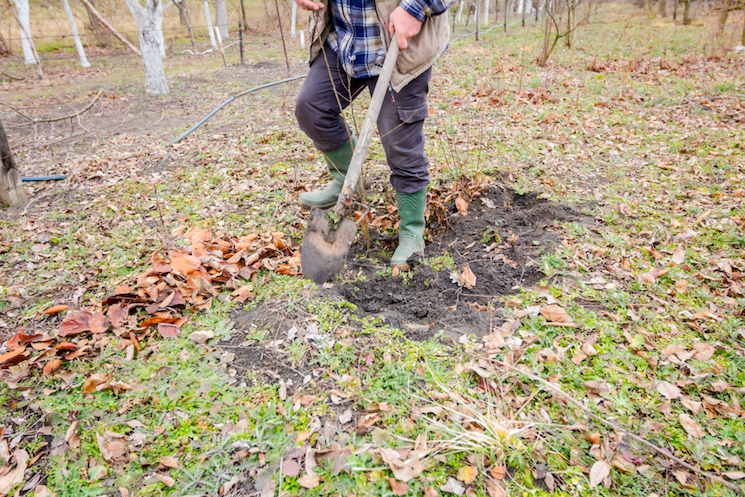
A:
<point x="53" y="119"/>
<point x="614" y="426"/>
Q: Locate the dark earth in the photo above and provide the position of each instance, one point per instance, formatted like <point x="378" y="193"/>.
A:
<point x="426" y="300"/>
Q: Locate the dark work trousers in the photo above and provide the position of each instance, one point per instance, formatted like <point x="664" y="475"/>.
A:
<point x="400" y="121"/>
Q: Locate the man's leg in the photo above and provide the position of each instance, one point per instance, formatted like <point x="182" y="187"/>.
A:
<point x="318" y="110"/>
<point x="400" y="125"/>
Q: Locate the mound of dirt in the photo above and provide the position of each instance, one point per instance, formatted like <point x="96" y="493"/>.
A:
<point x="516" y="228"/>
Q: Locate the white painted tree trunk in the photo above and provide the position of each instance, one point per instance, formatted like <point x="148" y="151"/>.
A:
<point x="149" y="21"/>
<point x="221" y="19"/>
<point x="293" y="22"/>
<point x="486" y="12"/>
<point x="460" y="10"/>
<point x="208" y="17"/>
<point x="74" y="28"/>
<point x="25" y="18"/>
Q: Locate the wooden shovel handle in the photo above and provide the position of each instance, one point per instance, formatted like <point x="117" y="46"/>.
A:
<point x="363" y="141"/>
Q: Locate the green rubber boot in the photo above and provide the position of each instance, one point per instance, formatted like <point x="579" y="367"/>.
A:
<point x="411" y="208"/>
<point x="338" y="162"/>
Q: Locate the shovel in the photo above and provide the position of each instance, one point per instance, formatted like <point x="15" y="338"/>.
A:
<point x="324" y="248"/>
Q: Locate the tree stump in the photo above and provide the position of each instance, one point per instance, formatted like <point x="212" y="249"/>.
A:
<point x="12" y="192"/>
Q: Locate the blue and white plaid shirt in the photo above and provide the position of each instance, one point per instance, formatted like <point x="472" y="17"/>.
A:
<point x="357" y="38"/>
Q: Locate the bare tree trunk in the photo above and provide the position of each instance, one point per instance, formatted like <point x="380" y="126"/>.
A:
<point x="149" y="20"/>
<point x="663" y="8"/>
<point x="486" y="12"/>
<point x="293" y="21"/>
<point x="208" y="17"/>
<point x="92" y="10"/>
<point x="686" y="12"/>
<point x="675" y="10"/>
<point x="221" y="18"/>
<point x="24" y="19"/>
<point x="74" y="28"/>
<point x="722" y="20"/>
<point x="103" y="37"/>
<point x="184" y="14"/>
<point x="12" y="192"/>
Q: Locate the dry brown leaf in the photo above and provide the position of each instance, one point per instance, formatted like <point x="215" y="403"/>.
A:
<point x="598" y="386"/>
<point x="308" y="481"/>
<point x="668" y="390"/>
<point x="498" y="472"/>
<point x="51" y="367"/>
<point x="170" y="462"/>
<point x="98" y="323"/>
<point x="691" y="426"/>
<point x="599" y="472"/>
<point x="734" y="475"/>
<point x="431" y="492"/>
<point x="403" y="470"/>
<point x="555" y="313"/>
<point x="165" y="480"/>
<point x="398" y="487"/>
<point x="462" y="205"/>
<point x="56" y="309"/>
<point x="95" y="382"/>
<point x="14" y="476"/>
<point x="74" y="323"/>
<point x="679" y="256"/>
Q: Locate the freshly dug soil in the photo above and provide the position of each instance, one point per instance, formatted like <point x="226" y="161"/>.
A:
<point x="426" y="300"/>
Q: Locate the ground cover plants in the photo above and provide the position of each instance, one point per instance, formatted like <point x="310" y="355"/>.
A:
<point x="580" y="298"/>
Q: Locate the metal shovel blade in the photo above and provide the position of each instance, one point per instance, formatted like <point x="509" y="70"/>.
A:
<point x="324" y="250"/>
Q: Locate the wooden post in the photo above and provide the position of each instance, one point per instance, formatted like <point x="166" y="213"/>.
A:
<point x="282" y="34"/>
<point x="240" y="40"/>
<point x="12" y="192"/>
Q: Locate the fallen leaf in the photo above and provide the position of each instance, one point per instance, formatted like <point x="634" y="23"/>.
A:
<point x="467" y="474"/>
<point x="668" y="390"/>
<point x="599" y="471"/>
<point x="95" y="381"/>
<point x="398" y="487"/>
<point x="403" y="470"/>
<point x="290" y="467"/>
<point x="165" y="480"/>
<point x="679" y="256"/>
<point x="734" y="475"/>
<point x="598" y="386"/>
<point x="168" y="330"/>
<point x="202" y="336"/>
<point x="691" y="426"/>
<point x="462" y="205"/>
<point x="98" y="323"/>
<point x="431" y="492"/>
<point x="555" y="313"/>
<point x="453" y="486"/>
<point x="56" y="309"/>
<point x="14" y="476"/>
<point x="170" y="462"/>
<point x="465" y="278"/>
<point x="74" y="323"/>
<point x="498" y="472"/>
<point x="308" y="481"/>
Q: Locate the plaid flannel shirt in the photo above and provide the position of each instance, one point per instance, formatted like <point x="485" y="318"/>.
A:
<point x="357" y="38"/>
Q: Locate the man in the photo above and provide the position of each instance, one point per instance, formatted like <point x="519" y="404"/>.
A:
<point x="349" y="39"/>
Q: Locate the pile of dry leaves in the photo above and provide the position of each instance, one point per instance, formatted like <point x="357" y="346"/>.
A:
<point x="156" y="299"/>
